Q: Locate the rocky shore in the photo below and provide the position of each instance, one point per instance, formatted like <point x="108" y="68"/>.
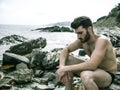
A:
<point x="27" y="66"/>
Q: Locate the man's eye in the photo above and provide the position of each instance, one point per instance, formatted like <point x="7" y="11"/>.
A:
<point x="79" y="32"/>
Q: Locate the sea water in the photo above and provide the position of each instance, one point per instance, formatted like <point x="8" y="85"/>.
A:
<point x="54" y="39"/>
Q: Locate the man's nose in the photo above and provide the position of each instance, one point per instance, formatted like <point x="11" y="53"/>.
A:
<point x="78" y="35"/>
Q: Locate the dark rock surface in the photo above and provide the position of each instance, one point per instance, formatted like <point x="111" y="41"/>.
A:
<point x="12" y="39"/>
<point x="26" y="47"/>
<point x="55" y="29"/>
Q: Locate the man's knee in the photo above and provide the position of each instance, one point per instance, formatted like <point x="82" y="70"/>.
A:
<point x="86" y="77"/>
<point x="71" y="60"/>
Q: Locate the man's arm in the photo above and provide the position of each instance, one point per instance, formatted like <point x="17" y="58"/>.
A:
<point x="70" y="48"/>
<point x="95" y="59"/>
<point x="61" y="75"/>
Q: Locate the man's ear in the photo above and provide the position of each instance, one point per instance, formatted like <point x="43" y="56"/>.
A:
<point x="90" y="28"/>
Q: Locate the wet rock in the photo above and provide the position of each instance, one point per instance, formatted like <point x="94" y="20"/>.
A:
<point x="26" y="47"/>
<point x="12" y="39"/>
<point x="13" y="59"/>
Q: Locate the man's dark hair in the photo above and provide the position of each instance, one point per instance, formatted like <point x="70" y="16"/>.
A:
<point x="83" y="21"/>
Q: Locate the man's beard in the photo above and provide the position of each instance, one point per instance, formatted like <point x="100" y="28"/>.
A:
<point x="86" y="38"/>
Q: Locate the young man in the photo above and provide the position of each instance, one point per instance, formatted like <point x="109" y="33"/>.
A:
<point x="99" y="71"/>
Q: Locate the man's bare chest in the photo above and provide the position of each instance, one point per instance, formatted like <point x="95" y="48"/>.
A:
<point x="88" y="49"/>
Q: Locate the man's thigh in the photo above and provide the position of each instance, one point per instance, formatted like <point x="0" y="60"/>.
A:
<point x="102" y="78"/>
<point x="71" y="60"/>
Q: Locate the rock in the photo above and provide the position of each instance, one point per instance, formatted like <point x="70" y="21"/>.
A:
<point x="38" y="73"/>
<point x="21" y="49"/>
<point x="44" y="87"/>
<point x="6" y="83"/>
<point x="12" y="39"/>
<point x="118" y="64"/>
<point x="14" y="59"/>
<point x="118" y="52"/>
<point x="42" y="81"/>
<point x="26" y="47"/>
<point x="37" y="57"/>
<point x="38" y="43"/>
<point x="52" y="59"/>
<point x="113" y="35"/>
<point x="55" y="29"/>
<point x="82" y="52"/>
<point x="22" y="76"/>
<point x="117" y="79"/>
<point x="50" y="76"/>
<point x="21" y="66"/>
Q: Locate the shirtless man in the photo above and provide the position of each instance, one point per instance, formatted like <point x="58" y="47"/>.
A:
<point x="99" y="71"/>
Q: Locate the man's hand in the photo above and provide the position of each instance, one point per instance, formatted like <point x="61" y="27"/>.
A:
<point x="61" y="75"/>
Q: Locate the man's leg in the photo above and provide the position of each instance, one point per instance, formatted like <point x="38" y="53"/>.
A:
<point x="70" y="61"/>
<point x="93" y="80"/>
<point x="68" y="85"/>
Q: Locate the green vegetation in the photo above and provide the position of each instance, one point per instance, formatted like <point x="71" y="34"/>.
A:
<point x="113" y="18"/>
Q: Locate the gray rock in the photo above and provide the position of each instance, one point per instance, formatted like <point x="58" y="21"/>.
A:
<point x="11" y="58"/>
<point x="21" y="49"/>
<point x="22" y="75"/>
<point x="6" y="83"/>
<point x="52" y="59"/>
<point x="12" y="39"/>
<point x="37" y="57"/>
<point x="50" y="76"/>
<point x="26" y="47"/>
<point x="55" y="29"/>
<point x="38" y="73"/>
<point x="21" y="66"/>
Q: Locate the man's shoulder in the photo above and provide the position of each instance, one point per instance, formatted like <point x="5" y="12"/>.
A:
<point x="103" y="38"/>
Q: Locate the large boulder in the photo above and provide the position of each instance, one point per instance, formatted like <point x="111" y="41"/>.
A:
<point x="12" y="39"/>
<point x="37" y="57"/>
<point x="52" y="59"/>
<point x="14" y="59"/>
<point x="26" y="47"/>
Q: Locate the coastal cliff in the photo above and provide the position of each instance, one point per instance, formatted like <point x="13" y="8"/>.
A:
<point x="111" y="20"/>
